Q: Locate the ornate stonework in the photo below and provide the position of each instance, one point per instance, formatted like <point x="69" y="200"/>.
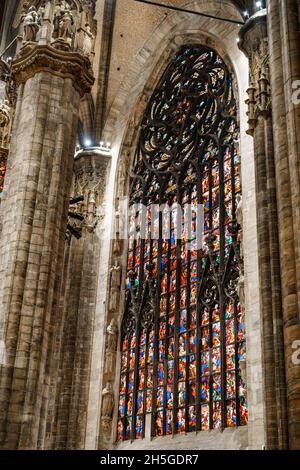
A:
<point x="36" y="58"/>
<point x="111" y="349"/>
<point x="31" y="24"/>
<point x="57" y="36"/>
<point x="66" y="24"/>
<point x="90" y="169"/>
<point x="254" y="42"/>
<point x="5" y="123"/>
<point x="7" y="103"/>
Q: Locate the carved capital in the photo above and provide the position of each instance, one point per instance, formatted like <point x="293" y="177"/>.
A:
<point x="34" y="58"/>
<point x="90" y="168"/>
<point x="254" y="43"/>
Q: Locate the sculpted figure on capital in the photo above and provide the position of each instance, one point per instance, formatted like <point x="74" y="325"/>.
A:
<point x="31" y="22"/>
<point x="63" y="22"/>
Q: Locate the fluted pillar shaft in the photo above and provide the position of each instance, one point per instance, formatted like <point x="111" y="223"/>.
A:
<point x="34" y="217"/>
<point x="79" y="302"/>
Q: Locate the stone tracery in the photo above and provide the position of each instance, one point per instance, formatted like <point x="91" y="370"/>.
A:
<point x="65" y="24"/>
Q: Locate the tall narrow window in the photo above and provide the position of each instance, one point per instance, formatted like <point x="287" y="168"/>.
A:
<point x="183" y="336"/>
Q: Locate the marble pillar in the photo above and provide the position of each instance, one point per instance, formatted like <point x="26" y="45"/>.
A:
<point x="283" y="22"/>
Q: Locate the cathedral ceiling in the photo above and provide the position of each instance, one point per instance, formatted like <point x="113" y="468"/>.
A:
<point x="127" y="25"/>
<point x="134" y="23"/>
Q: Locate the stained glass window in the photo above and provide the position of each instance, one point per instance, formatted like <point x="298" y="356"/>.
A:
<point x="183" y="334"/>
<point x="2" y="171"/>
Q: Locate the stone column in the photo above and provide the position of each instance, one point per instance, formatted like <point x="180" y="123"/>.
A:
<point x="254" y="42"/>
<point x="51" y="78"/>
<point x="283" y="22"/>
<point x="7" y="101"/>
<point x="91" y="169"/>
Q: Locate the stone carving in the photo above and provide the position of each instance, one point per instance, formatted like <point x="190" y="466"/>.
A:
<point x="115" y="282"/>
<point x="254" y="43"/>
<point x="56" y="23"/>
<point x="118" y="246"/>
<point x="31" y="23"/>
<point x="78" y="69"/>
<point x="259" y="95"/>
<point x="107" y="401"/>
<point x="124" y="171"/>
<point x="91" y="219"/>
<point x="63" y="22"/>
<point x="239" y="219"/>
<point x="4" y="112"/>
<point x="88" y="41"/>
<point x="7" y="103"/>
<point x="90" y="173"/>
<point x="41" y="10"/>
<point x="8" y="89"/>
<point x="111" y="348"/>
<point x="115" y="274"/>
<point x="101" y="212"/>
<point x="5" y="121"/>
<point x="107" y="408"/>
<point x="243" y="366"/>
<point x="112" y="338"/>
<point x="2" y="90"/>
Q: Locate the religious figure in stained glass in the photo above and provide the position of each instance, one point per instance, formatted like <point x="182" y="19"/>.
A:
<point x="183" y="333"/>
